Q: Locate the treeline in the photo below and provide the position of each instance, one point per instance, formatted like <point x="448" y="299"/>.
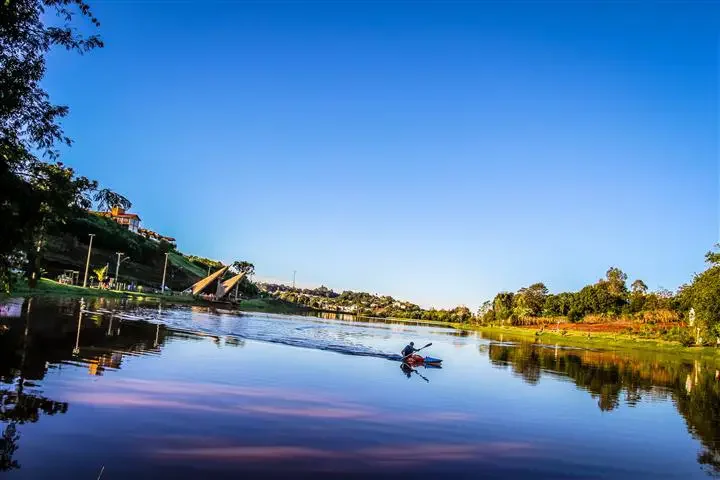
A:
<point x="695" y="306"/>
<point x="322" y="291"/>
<point x="364" y="304"/>
<point x="609" y="297"/>
<point x="690" y="315"/>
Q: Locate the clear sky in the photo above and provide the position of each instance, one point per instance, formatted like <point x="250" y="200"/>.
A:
<point x="435" y="151"/>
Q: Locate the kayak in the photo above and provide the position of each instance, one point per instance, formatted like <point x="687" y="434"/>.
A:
<point x="416" y="360"/>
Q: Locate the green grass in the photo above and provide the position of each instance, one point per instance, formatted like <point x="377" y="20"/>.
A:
<point x="601" y="341"/>
<point x="47" y="287"/>
<point x="181" y="262"/>
<point x="271" y="305"/>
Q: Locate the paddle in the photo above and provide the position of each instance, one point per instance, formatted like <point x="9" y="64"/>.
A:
<point x="406" y="356"/>
<point x="421" y="375"/>
<point x="407" y="369"/>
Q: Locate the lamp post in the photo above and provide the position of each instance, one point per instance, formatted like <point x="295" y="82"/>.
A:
<point x="87" y="263"/>
<point x="162" y="289"/>
<point x="117" y="265"/>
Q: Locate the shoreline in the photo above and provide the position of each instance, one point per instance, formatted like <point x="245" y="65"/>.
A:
<point x="51" y="288"/>
<point x="570" y="338"/>
<point x="598" y="341"/>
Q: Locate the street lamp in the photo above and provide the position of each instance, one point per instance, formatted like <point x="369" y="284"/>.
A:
<point x="117" y="265"/>
<point x="87" y="264"/>
<point x="162" y="289"/>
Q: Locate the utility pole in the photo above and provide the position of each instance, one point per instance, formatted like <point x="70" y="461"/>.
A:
<point x="162" y="289"/>
<point x="117" y="268"/>
<point x="294" y="272"/>
<point x="87" y="264"/>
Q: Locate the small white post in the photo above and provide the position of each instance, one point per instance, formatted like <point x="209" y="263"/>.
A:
<point x="164" y="271"/>
<point x="87" y="263"/>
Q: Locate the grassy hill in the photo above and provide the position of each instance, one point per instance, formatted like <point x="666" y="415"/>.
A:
<point x="67" y="250"/>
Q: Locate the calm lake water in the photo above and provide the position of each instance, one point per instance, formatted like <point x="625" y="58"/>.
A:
<point x="124" y="390"/>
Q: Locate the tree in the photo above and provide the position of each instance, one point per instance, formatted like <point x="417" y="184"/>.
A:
<point x="8" y="446"/>
<point x="558" y="305"/>
<point x="552" y="306"/>
<point x="639" y="287"/>
<point x="243" y="267"/>
<point x="638" y="297"/>
<point x="29" y="122"/>
<point x="531" y="300"/>
<point x="503" y="305"/>
<point x="107" y="199"/>
<point x="713" y="258"/>
<point x="101" y="273"/>
<point x="461" y="314"/>
<point x="615" y="279"/>
<point x="704" y="296"/>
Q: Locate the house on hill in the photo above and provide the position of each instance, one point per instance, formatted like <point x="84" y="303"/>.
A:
<point x="131" y="221"/>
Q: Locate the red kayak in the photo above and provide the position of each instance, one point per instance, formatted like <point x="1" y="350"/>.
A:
<point x="415" y="360"/>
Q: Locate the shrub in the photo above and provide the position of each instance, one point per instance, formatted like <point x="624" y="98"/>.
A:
<point x="679" y="334"/>
<point x="658" y="316"/>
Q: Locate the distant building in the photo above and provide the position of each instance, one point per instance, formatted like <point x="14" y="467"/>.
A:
<point x="149" y="234"/>
<point x="131" y="221"/>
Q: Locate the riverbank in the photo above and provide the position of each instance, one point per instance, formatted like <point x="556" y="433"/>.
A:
<point x="599" y="341"/>
<point x="51" y="288"/>
<point x="46" y="287"/>
<point x="567" y="338"/>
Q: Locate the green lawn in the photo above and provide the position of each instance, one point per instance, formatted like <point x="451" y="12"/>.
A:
<point x="601" y="341"/>
<point x="271" y="305"/>
<point x="47" y="287"/>
<point x="181" y="262"/>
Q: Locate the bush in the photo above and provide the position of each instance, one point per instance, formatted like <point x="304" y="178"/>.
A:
<point x="658" y="316"/>
<point x="532" y="321"/>
<point x="574" y="316"/>
<point x="679" y="334"/>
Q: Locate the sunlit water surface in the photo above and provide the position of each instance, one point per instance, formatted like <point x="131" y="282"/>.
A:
<point x="122" y="390"/>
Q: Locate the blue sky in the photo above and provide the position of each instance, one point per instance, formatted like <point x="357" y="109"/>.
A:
<point x="435" y="151"/>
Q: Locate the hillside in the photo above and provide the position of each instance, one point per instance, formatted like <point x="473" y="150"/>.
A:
<point x="67" y="250"/>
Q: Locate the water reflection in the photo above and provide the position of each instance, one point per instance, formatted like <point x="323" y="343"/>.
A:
<point x="19" y="403"/>
<point x="408" y="371"/>
<point x="260" y="420"/>
<point x="38" y="340"/>
<point x="614" y="378"/>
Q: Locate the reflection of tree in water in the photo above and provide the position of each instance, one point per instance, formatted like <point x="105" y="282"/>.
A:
<point x="8" y="446"/>
<point x="17" y="408"/>
<point x="607" y="376"/>
<point x="49" y="334"/>
<point x="696" y="398"/>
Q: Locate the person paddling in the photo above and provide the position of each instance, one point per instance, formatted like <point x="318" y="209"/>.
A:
<point x="409" y="349"/>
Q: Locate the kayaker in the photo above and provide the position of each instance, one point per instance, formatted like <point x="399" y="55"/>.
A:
<point x="409" y="350"/>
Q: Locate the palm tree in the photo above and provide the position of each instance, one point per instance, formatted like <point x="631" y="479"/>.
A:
<point x="107" y="199"/>
<point x="101" y="273"/>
